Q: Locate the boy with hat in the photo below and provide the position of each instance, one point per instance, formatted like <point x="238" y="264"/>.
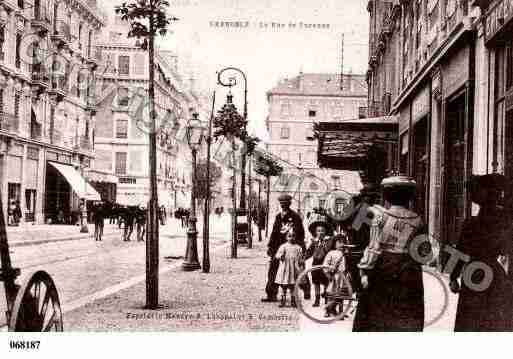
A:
<point x="320" y="245"/>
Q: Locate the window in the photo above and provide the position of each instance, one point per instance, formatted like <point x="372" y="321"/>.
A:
<point x="509" y="65"/>
<point x="122" y="128"/>
<point x="79" y="82"/>
<point x="312" y="113"/>
<point x="362" y="112"/>
<point x="2" y="40"/>
<point x="404" y="153"/>
<point x="123" y="98"/>
<point x="285" y="109"/>
<point x="121" y="159"/>
<point x="124" y="65"/>
<point x="139" y="64"/>
<point x="17" y="99"/>
<point x="18" y="54"/>
<point x="80" y="26"/>
<point x="52" y="123"/>
<point x="285" y="132"/>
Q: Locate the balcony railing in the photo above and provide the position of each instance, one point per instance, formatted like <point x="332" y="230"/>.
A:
<point x="40" y="75"/>
<point x="9" y="122"/>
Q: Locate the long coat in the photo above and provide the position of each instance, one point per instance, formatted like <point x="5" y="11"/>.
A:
<point x="484" y="238"/>
<point x="278" y="238"/>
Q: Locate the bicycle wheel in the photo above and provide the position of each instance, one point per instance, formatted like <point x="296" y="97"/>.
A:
<point x="340" y="298"/>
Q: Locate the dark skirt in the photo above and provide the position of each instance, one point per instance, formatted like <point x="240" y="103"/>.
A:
<point x="394" y="301"/>
<point x="488" y="310"/>
<point x="318" y="276"/>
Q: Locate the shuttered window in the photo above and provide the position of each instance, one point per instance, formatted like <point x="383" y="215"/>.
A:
<point x="121" y="159"/>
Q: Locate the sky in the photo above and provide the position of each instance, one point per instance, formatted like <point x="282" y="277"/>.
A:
<point x="266" y="54"/>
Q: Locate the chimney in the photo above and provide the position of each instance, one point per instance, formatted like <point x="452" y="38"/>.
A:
<point x="301" y="81"/>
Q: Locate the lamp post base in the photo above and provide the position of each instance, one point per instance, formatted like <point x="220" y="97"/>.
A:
<point x="191" y="262"/>
<point x="84" y="229"/>
<point x="190" y="267"/>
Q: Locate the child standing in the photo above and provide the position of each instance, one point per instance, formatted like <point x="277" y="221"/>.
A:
<point x="290" y="255"/>
<point x="336" y="261"/>
<point x="320" y="245"/>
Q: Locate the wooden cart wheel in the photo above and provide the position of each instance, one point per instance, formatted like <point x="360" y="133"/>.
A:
<point x="344" y="298"/>
<point x="37" y="307"/>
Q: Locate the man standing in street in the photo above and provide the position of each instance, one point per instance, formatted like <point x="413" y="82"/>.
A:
<point x="285" y="220"/>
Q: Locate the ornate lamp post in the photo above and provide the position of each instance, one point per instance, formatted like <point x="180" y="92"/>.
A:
<point x="232" y="82"/>
<point x="194" y="138"/>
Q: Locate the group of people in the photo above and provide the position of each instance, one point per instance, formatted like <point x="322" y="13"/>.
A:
<point x="14" y="213"/>
<point x="183" y="215"/>
<point x="386" y="276"/>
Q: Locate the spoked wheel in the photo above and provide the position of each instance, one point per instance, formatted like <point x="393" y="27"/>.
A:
<point x="339" y="297"/>
<point x="37" y="307"/>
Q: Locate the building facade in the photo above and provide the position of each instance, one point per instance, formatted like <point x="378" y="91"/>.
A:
<point x="444" y="69"/>
<point x="295" y="105"/>
<point x="47" y="113"/>
<point x="121" y="131"/>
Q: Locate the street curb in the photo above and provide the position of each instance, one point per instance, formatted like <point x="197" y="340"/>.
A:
<point x="27" y="243"/>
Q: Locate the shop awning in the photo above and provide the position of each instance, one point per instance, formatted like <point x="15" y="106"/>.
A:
<point x="77" y="182"/>
<point x="348" y="145"/>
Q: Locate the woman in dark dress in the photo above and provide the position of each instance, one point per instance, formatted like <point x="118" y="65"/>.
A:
<point x="392" y="297"/>
<point x="484" y="238"/>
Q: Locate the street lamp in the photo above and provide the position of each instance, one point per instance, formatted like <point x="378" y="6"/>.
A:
<point x="194" y="138"/>
<point x="232" y="82"/>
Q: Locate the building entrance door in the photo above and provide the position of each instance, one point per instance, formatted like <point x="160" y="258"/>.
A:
<point x="455" y="159"/>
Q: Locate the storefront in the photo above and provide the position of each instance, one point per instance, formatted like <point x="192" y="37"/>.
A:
<point x="65" y="188"/>
<point x="499" y="45"/>
<point x="368" y="146"/>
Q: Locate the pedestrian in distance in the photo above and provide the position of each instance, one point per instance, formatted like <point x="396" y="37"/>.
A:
<point x="141" y="223"/>
<point x="99" y="221"/>
<point x="290" y="257"/>
<point x="485" y="238"/>
<point x="319" y="247"/>
<point x="17" y="213"/>
<point x="10" y="213"/>
<point x="128" y="219"/>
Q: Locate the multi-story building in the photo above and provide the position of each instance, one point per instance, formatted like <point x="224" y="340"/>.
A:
<point x="47" y="110"/>
<point x="295" y="105"/>
<point x="444" y="69"/>
<point x="121" y="131"/>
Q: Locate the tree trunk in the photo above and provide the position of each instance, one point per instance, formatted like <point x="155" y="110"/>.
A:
<point x="152" y="239"/>
<point x="267" y="211"/>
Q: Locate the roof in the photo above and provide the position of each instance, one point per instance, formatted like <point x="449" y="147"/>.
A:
<point x="323" y="84"/>
<point x="348" y="145"/>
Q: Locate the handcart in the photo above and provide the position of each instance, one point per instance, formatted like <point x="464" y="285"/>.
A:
<point x="34" y="306"/>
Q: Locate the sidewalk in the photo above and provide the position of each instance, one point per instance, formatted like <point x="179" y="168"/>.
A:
<point x="227" y="299"/>
<point x="28" y="234"/>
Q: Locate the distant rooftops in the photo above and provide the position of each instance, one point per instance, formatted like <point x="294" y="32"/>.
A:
<point x="323" y="84"/>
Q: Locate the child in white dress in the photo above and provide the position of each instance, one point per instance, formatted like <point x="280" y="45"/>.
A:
<point x="290" y="255"/>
